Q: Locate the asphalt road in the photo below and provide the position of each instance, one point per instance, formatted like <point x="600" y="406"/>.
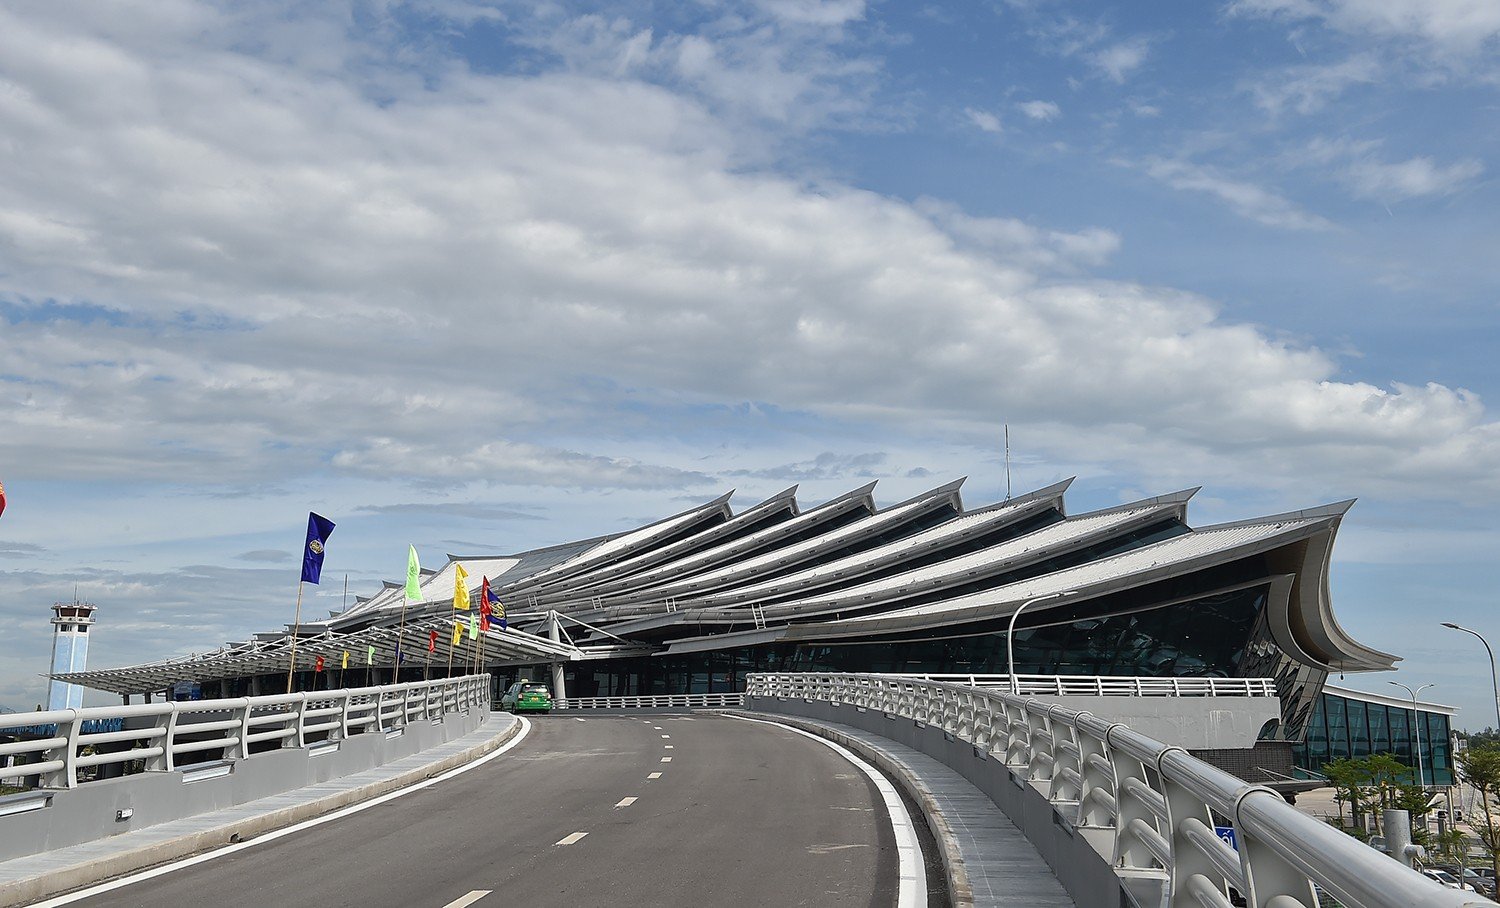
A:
<point x="743" y="814"/>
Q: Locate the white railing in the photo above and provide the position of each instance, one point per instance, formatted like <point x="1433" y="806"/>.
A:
<point x="1158" y="803"/>
<point x="653" y="701"/>
<point x="160" y="735"/>
<point x="1114" y="686"/>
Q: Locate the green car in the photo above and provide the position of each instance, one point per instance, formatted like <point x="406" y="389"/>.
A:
<point x="527" y="696"/>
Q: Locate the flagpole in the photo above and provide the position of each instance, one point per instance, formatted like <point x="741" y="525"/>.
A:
<point x="296" y="623"/>
<point x="400" y="643"/>
<point x="450" y="652"/>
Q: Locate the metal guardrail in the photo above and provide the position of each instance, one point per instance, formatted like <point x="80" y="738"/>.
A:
<point x="653" y="701"/>
<point x="1114" y="686"/>
<point x="1159" y="803"/>
<point x="160" y="733"/>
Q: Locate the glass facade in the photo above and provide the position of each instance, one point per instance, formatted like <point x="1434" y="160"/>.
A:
<point x="1221" y="634"/>
<point x="1342" y="726"/>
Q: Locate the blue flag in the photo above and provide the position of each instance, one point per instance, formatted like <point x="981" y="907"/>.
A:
<point x="318" y="531"/>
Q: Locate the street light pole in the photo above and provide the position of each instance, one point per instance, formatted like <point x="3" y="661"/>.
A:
<point x="1493" y="682"/>
<point x="1416" y="719"/>
<point x="1010" y="637"/>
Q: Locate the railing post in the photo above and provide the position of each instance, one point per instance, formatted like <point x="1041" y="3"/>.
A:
<point x="1187" y="812"/>
<point x="299" y="739"/>
<point x="241" y="747"/>
<point x="341" y="732"/>
<point x="1096" y="779"/>
<point x="167" y="722"/>
<point x="1130" y="850"/>
<point x="1039" y="732"/>
<point x="1273" y="882"/>
<point x="67" y="775"/>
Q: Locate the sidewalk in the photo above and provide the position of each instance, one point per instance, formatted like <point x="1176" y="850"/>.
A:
<point x="38" y="876"/>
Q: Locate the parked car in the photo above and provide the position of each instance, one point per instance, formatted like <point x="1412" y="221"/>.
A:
<point x="1447" y="879"/>
<point x="527" y="696"/>
<point x="1472" y="876"/>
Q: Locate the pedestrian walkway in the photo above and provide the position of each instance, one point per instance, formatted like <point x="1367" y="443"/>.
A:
<point x="37" y="876"/>
<point x="990" y="861"/>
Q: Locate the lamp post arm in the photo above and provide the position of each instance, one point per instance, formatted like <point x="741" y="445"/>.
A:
<point x="1010" y="640"/>
<point x="1494" y="679"/>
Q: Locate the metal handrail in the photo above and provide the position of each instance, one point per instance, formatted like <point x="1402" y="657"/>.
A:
<point x="653" y="701"/>
<point x="1157" y="802"/>
<point x="163" y="731"/>
<point x="1112" y="685"/>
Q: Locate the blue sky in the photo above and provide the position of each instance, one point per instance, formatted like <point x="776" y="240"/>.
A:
<point x="487" y="276"/>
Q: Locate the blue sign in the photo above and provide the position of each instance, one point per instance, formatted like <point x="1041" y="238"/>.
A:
<point x="1226" y="833"/>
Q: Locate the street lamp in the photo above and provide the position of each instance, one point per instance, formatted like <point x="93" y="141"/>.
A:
<point x="1495" y="684"/>
<point x="1010" y="637"/>
<point x="1416" y="719"/>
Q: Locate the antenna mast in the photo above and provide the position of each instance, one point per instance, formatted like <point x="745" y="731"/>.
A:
<point x="1007" y="461"/>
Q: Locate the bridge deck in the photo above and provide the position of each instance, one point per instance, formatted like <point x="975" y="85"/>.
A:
<point x="78" y="865"/>
<point x="1003" y="868"/>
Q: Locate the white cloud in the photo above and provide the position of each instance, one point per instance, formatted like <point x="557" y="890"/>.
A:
<point x="984" y="120"/>
<point x="468" y="277"/>
<point x="1248" y="200"/>
<point x="1040" y="110"/>
<point x="1035" y="249"/>
<point x="1450" y="26"/>
<point x="791" y="63"/>
<point x="1306" y="89"/>
<point x="1409" y="179"/>
<point x="1119" y="60"/>
<point x="815" y="12"/>
<point x="1358" y="167"/>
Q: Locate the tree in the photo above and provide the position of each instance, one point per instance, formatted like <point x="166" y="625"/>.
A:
<point x="1379" y="782"/>
<point x="1349" y="778"/>
<point x="1481" y="767"/>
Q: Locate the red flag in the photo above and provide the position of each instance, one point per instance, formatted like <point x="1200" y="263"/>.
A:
<point x="318" y="666"/>
<point x="2" y="498"/>
<point x="484" y="605"/>
<point x="431" y="641"/>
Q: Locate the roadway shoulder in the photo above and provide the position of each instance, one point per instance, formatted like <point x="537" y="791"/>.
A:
<point x="35" y="877"/>
<point x="986" y="860"/>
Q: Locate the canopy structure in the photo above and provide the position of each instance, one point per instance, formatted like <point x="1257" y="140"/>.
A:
<point x="375" y="647"/>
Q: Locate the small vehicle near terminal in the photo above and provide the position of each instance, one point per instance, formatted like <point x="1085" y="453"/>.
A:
<point x="527" y="696"/>
<point x="1447" y="879"/>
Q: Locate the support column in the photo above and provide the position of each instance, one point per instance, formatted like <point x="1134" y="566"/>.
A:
<point x="559" y="684"/>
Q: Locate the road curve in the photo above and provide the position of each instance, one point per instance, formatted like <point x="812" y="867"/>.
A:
<point x="742" y="814"/>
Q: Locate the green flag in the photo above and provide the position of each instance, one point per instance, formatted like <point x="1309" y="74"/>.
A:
<point x="413" y="574"/>
<point x="473" y="628"/>
<point x="370" y="656"/>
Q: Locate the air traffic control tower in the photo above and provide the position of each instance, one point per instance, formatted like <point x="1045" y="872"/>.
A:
<point x="70" y="651"/>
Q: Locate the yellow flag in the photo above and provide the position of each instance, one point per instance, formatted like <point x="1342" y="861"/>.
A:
<point x="460" y="587"/>
<point x="458" y="633"/>
<point x="346" y="660"/>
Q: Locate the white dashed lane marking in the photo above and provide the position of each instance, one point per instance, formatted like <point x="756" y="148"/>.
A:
<point x="625" y="802"/>
<point x="654" y="775"/>
<point x="571" y="838"/>
<point x="666" y="736"/>
<point x="668" y="746"/>
<point x="666" y="759"/>
<point x="466" y="900"/>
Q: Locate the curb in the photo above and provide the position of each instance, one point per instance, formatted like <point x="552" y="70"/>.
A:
<point x="97" y="870"/>
<point x="959" y="893"/>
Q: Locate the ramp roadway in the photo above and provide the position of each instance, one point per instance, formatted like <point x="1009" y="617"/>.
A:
<point x="607" y="810"/>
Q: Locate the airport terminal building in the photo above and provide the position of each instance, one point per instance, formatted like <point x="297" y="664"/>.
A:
<point x="696" y="601"/>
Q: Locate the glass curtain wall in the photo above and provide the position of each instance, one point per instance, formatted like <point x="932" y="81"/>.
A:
<point x="1343" y="727"/>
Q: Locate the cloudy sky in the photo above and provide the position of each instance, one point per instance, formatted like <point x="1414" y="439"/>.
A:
<point x="485" y="276"/>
